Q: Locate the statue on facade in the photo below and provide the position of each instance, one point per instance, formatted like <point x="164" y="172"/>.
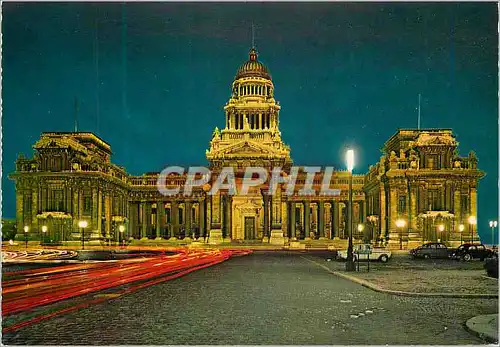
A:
<point x="216" y="134"/>
<point x="472" y="160"/>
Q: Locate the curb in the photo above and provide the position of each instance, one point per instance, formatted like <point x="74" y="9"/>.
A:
<point x="468" y="326"/>
<point x="376" y="288"/>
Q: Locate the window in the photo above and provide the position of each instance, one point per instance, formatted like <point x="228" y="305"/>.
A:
<point x="464" y="203"/>
<point x="440" y="246"/>
<point x="57" y="200"/>
<point x="87" y="205"/>
<point x="433" y="199"/>
<point x="27" y="203"/>
<point x="402" y="204"/>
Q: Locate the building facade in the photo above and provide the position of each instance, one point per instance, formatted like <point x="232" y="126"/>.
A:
<point x="420" y="179"/>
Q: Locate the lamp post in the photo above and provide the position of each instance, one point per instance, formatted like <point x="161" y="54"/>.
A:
<point x="121" y="228"/>
<point x="461" y="228"/>
<point x="400" y="223"/>
<point x="44" y="230"/>
<point x="440" y="229"/>
<point x="472" y="222"/>
<point x="493" y="225"/>
<point x="26" y="229"/>
<point x="350" y="257"/>
<point x="83" y="224"/>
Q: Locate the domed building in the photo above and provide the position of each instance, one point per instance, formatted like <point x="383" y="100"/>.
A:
<point x="420" y="190"/>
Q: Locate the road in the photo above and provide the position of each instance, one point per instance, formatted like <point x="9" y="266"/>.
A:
<point x="261" y="299"/>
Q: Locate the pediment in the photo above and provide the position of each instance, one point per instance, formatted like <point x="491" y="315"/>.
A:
<point x="246" y="147"/>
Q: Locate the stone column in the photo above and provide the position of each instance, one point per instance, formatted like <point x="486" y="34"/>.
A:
<point x="307" y="222"/>
<point x="456" y="206"/>
<point x="95" y="211"/>
<point x="188" y="212"/>
<point x="291" y="217"/>
<point x="174" y="218"/>
<point x="19" y="214"/>
<point x="202" y="218"/>
<point x="473" y="212"/>
<point x="321" y="219"/>
<point x="160" y="216"/>
<point x="414" y="235"/>
<point x="335" y="219"/>
<point x="132" y="221"/>
<point x="76" y="209"/>
<point x="144" y="220"/>
<point x="215" y="236"/>
<point x="383" y="215"/>
<point x="266" y="215"/>
<point x="109" y="215"/>
<point x="34" y="206"/>
<point x="394" y="237"/>
<point x="276" y="231"/>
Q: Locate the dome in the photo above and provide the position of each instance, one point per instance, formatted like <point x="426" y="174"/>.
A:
<point x="252" y="67"/>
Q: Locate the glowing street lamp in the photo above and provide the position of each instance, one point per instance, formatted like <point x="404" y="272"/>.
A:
<point x="121" y="228"/>
<point x="440" y="229"/>
<point x="461" y="228"/>
<point x="361" y="227"/>
<point x="83" y="224"/>
<point x="26" y="229"/>
<point x="400" y="223"/>
<point x="44" y="230"/>
<point x="493" y="225"/>
<point x="350" y="166"/>
<point x="472" y="221"/>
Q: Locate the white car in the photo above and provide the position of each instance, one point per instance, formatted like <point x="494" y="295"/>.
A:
<point x="365" y="252"/>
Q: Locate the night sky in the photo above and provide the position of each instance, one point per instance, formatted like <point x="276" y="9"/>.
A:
<point x="345" y="74"/>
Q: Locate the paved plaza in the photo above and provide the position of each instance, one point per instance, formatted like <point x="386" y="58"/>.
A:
<point x="262" y="298"/>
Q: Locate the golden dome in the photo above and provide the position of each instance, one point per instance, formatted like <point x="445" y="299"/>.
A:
<point x="252" y="67"/>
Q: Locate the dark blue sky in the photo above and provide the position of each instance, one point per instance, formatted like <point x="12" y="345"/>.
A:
<point x="345" y="74"/>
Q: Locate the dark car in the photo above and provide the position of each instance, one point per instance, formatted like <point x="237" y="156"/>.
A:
<point x="435" y="250"/>
<point x="491" y="266"/>
<point x="469" y="251"/>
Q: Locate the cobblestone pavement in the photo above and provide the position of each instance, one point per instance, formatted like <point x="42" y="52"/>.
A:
<point x="261" y="299"/>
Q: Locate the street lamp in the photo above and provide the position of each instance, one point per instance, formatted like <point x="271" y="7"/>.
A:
<point x="122" y="229"/>
<point x="440" y="229"/>
<point x="400" y="223"/>
<point x="472" y="222"/>
<point x="461" y="228"/>
<point x="350" y="166"/>
<point x="83" y="224"/>
<point x="26" y="228"/>
<point x="44" y="230"/>
<point x="493" y="225"/>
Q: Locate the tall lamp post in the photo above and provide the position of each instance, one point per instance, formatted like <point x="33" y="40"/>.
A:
<point x="83" y="224"/>
<point x="461" y="228"/>
<point x="42" y="237"/>
<point x="26" y="229"/>
<point x="493" y="225"/>
<point x="349" y="266"/>
<point x="472" y="222"/>
<point x="400" y="223"/>
<point x="122" y="229"/>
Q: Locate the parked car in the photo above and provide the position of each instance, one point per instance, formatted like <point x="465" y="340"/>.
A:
<point x="491" y="266"/>
<point x="469" y="251"/>
<point x="435" y="250"/>
<point x="366" y="251"/>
